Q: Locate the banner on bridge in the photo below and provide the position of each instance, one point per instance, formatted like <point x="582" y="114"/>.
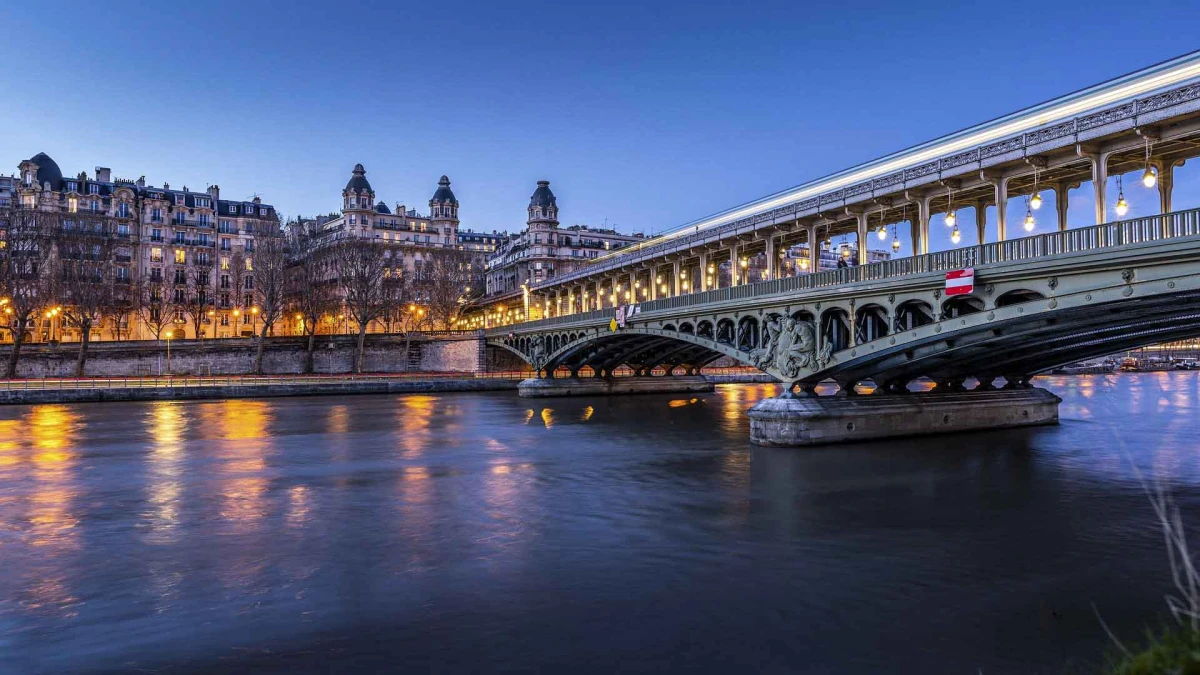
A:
<point x="624" y="312"/>
<point x="960" y="282"/>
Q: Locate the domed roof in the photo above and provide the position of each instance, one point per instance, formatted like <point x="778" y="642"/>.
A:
<point x="47" y="171"/>
<point x="542" y="196"/>
<point x="382" y="208"/>
<point x="358" y="182"/>
<point x="444" y="194"/>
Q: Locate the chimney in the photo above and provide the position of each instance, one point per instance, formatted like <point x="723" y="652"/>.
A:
<point x="257" y="199"/>
<point x="185" y="188"/>
<point x="214" y="191"/>
<point x="141" y="182"/>
<point x="103" y="174"/>
<point x="166" y="186"/>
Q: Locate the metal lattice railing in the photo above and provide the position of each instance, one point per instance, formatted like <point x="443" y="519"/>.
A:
<point x="1109" y="235"/>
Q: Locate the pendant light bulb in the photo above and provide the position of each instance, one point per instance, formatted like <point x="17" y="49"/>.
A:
<point x="1036" y="202"/>
<point x="1029" y="222"/>
<point x="955" y="236"/>
<point x="1149" y="178"/>
<point x="951" y="219"/>
<point x="1122" y="206"/>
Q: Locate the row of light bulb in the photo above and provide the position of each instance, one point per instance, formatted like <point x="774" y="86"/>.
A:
<point x="1149" y="179"/>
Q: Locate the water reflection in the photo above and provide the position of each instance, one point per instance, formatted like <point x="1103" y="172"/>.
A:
<point x="482" y="531"/>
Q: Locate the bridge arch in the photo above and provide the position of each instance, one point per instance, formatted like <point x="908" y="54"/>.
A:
<point x="1017" y="296"/>
<point x="705" y="329"/>
<point x="871" y="322"/>
<point x="912" y="314"/>
<point x="835" y="328"/>
<point x="961" y="305"/>
<point x="747" y="334"/>
<point x="725" y="331"/>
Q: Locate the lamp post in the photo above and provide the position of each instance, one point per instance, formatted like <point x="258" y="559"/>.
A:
<point x="254" y="320"/>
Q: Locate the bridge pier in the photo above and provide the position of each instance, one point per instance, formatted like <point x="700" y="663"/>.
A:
<point x="820" y="420"/>
<point x="604" y="386"/>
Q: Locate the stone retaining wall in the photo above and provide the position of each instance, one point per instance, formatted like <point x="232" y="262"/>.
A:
<point x="284" y="356"/>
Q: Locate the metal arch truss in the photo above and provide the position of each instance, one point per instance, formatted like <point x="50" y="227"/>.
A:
<point x="1024" y="317"/>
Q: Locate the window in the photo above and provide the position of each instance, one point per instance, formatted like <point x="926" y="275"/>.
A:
<point x="179" y="200"/>
<point x="249" y="245"/>
<point x="224" y="243"/>
<point x="29" y="178"/>
<point x="203" y="220"/>
<point x="233" y="209"/>
<point x="93" y="189"/>
<point x="123" y="229"/>
<point x="249" y="283"/>
<point x="72" y="186"/>
<point x="225" y="262"/>
<point x="180" y="256"/>
<point x="202" y="202"/>
<point x="28" y="201"/>
<point x="155" y="275"/>
<point x="156" y="215"/>
<point x="72" y="205"/>
<point x="179" y="300"/>
<point x="156" y="255"/>
<point x="156" y="234"/>
<point x="249" y="265"/>
<point x="224" y="280"/>
<point x="180" y="277"/>
<point x="123" y="210"/>
<point x="180" y="238"/>
<point x="95" y="205"/>
<point x="225" y="317"/>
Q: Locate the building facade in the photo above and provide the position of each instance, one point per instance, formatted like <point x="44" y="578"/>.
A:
<point x="544" y="249"/>
<point x="168" y="241"/>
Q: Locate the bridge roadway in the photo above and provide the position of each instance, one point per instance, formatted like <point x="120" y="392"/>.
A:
<point x="1038" y="302"/>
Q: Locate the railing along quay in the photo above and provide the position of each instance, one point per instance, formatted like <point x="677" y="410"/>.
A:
<point x="1175" y="225"/>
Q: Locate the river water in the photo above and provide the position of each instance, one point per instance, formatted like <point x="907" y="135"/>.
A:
<point x="483" y="532"/>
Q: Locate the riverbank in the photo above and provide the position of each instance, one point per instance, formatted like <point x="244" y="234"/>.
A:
<point x="97" y="390"/>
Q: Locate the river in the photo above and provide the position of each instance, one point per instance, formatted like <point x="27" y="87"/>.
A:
<point x="483" y="532"/>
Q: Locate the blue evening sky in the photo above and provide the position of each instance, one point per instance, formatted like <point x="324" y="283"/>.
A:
<point x="645" y="115"/>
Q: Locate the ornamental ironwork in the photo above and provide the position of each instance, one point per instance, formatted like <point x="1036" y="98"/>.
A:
<point x="1121" y="112"/>
<point x="1002" y="147"/>
<point x="1169" y="98"/>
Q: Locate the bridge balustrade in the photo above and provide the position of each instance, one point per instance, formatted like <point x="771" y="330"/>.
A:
<point x="1133" y="231"/>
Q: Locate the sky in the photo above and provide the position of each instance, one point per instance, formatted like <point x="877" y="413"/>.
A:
<point x="643" y="116"/>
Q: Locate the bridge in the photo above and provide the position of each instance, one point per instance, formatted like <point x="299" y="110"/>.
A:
<point x="1039" y="301"/>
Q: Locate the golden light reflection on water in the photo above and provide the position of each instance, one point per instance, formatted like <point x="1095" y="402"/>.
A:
<point x="587" y="414"/>
<point x="165" y="426"/>
<point x="242" y="448"/>
<point x="299" y="506"/>
<point x="413" y="416"/>
<point x="528" y="415"/>
<point x="51" y="522"/>
<point x="339" y="419"/>
<point x="548" y="417"/>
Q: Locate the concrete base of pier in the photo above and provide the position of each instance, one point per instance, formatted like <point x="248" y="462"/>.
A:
<point x="593" y="386"/>
<point x="819" y="420"/>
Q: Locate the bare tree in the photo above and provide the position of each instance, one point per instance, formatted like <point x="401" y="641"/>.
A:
<point x="26" y="277"/>
<point x="270" y="283"/>
<point x="446" y="278"/>
<point x="86" y="253"/>
<point x="198" y="297"/>
<point x="360" y="268"/>
<point x="155" y="298"/>
<point x="311" y="285"/>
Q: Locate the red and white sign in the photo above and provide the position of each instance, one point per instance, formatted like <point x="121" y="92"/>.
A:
<point x="960" y="282"/>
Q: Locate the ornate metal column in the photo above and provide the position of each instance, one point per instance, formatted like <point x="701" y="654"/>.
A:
<point x="733" y="265"/>
<point x="1099" y="162"/>
<point x="676" y="268"/>
<point x="863" y="236"/>
<point x="1061" y="198"/>
<point x="1166" y="183"/>
<point x="814" y="250"/>
<point x="772" y="259"/>
<point x="704" y="271"/>
<point x="981" y="220"/>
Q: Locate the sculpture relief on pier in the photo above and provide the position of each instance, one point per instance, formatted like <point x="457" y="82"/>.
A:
<point x="790" y="345"/>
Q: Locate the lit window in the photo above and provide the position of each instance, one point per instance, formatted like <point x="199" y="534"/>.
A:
<point x="73" y="205"/>
<point x="156" y="254"/>
<point x="224" y="262"/>
<point x="249" y="264"/>
<point x="180" y="256"/>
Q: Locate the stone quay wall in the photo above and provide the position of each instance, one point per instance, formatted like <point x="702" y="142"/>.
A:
<point x="235" y="356"/>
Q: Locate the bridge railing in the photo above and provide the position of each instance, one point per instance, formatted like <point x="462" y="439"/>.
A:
<point x="1133" y="231"/>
